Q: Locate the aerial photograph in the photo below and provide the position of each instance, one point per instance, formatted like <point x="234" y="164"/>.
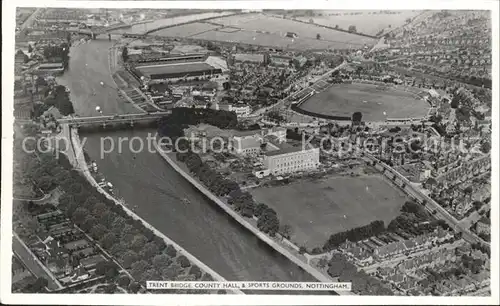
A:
<point x="255" y="152"/>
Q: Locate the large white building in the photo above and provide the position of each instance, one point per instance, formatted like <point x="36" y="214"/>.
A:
<point x="250" y="142"/>
<point x="241" y="110"/>
<point x="292" y="159"/>
<point x="246" y="143"/>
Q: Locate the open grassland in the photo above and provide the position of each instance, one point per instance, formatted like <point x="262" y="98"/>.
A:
<point x="315" y="209"/>
<point x="367" y="22"/>
<point x="186" y="30"/>
<point x="371" y="100"/>
<point x="264" y="30"/>
<point x="279" y="26"/>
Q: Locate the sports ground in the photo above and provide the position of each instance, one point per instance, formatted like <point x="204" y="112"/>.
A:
<point x="265" y="30"/>
<point x="316" y="209"/>
<point x="375" y="102"/>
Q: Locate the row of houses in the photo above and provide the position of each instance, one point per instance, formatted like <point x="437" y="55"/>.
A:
<point x="65" y="249"/>
<point x="365" y="253"/>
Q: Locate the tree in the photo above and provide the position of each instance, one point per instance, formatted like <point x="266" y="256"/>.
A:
<point x="259" y="209"/>
<point x="125" y="54"/>
<point x="285" y="231"/>
<point x="268" y="222"/>
<point x="88" y="223"/>
<point x="356" y="117"/>
<point x="138" y="242"/>
<point x="149" y="250"/>
<point x="107" y="268"/>
<point x="99" y="209"/>
<point x="46" y="183"/>
<point x="110" y="288"/>
<point x="352" y="29"/>
<point x="455" y="101"/>
<point x="123" y="281"/>
<point x="106" y="218"/>
<point x="118" y="250"/>
<point x="477" y="205"/>
<point x="30" y="48"/>
<point x="107" y="240"/>
<point x="79" y="215"/>
<point x="485" y="147"/>
<point x="134" y="287"/>
<point x="40" y="284"/>
<point x="339" y="265"/>
<point x="118" y="225"/>
<point x="137" y="268"/>
<point x="302" y="250"/>
<point x="196" y="271"/>
<point x="183" y="261"/>
<point x="161" y="261"/>
<point x="468" y="190"/>
<point x="323" y="262"/>
<point x="170" y="251"/>
<point x="171" y="272"/>
<point x="129" y="258"/>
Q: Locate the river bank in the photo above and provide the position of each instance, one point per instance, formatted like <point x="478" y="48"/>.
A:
<point x="263" y="237"/>
<point x="81" y="165"/>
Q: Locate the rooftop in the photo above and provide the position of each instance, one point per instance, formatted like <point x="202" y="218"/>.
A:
<point x="175" y="68"/>
<point x="249" y="57"/>
<point x="287" y="149"/>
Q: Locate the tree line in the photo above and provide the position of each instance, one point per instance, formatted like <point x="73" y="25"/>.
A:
<point x="134" y="245"/>
<point x="413" y="219"/>
<point x="60" y="99"/>
<point x="362" y="283"/>
<point x="354" y="235"/>
<point x="242" y="202"/>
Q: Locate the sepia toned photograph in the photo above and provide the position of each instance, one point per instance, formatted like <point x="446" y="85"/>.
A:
<point x="215" y="152"/>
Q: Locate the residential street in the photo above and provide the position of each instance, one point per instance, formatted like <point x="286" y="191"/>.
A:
<point x="34" y="265"/>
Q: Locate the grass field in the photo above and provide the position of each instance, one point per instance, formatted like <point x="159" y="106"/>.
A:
<point x="259" y="29"/>
<point x="279" y="26"/>
<point x="367" y="22"/>
<point x="370" y="100"/>
<point x="316" y="209"/>
<point x="186" y="30"/>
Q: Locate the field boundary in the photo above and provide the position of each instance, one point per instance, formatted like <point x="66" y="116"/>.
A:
<point x="298" y="109"/>
<point x="331" y="28"/>
<point x="260" y="235"/>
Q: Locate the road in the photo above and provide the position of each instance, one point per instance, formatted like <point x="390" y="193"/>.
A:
<point x="474" y="217"/>
<point x="279" y="103"/>
<point x="32" y="263"/>
<point x="158" y="194"/>
<point x="433" y="205"/>
<point x="29" y="21"/>
<point x="117" y="118"/>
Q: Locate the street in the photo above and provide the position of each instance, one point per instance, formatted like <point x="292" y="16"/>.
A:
<point x="32" y="263"/>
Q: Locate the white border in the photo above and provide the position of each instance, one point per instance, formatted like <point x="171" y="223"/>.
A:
<point x="8" y="25"/>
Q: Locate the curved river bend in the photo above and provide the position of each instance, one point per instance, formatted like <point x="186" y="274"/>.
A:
<point x="158" y="193"/>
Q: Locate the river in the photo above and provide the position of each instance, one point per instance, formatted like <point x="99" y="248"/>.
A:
<point x="158" y="194"/>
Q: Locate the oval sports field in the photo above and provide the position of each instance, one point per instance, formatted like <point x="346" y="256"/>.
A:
<point x="375" y="102"/>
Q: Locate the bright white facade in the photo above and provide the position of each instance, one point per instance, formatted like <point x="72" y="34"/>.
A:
<point x="246" y="143"/>
<point x="291" y="160"/>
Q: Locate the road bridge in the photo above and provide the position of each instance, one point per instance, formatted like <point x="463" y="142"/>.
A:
<point x="110" y="120"/>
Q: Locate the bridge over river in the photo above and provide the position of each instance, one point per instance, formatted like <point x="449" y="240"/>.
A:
<point x="103" y="120"/>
